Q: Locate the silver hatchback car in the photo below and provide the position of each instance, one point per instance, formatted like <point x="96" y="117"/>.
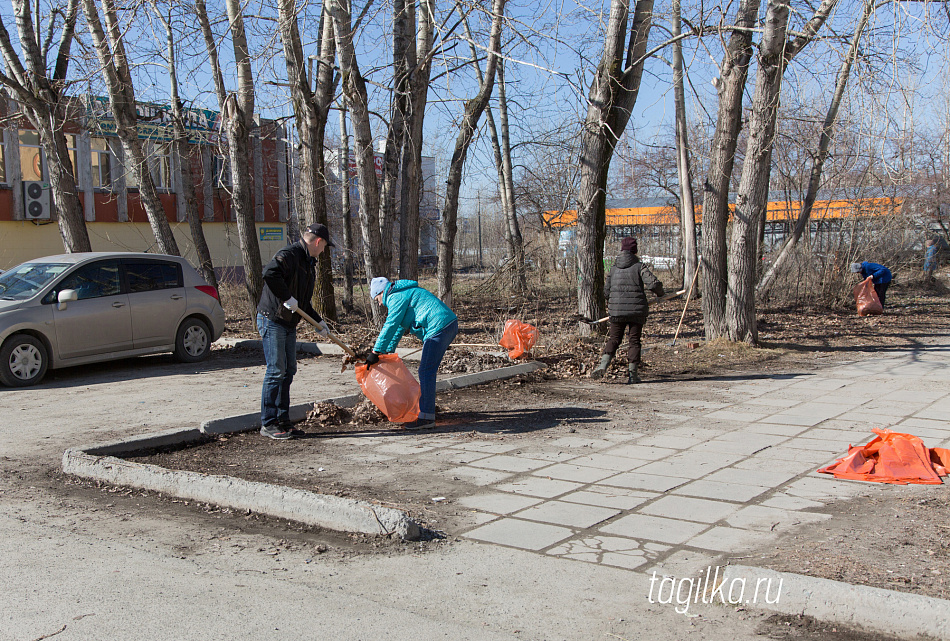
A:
<point x="74" y="309"/>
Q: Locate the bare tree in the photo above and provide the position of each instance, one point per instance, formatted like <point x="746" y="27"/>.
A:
<point x="419" y="61"/>
<point x="613" y="93"/>
<point x="730" y="84"/>
<point x="312" y="108"/>
<point x="110" y="50"/>
<point x="824" y="144"/>
<point x="683" y="169"/>
<point x="237" y="121"/>
<point x="44" y="103"/>
<point x="344" y="169"/>
<point x="354" y="88"/>
<point x="775" y="52"/>
<point x="467" y="127"/>
<point x="184" y="151"/>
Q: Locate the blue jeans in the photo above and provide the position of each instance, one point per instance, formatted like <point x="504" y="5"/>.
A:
<point x="280" y="354"/>
<point x="433" y="349"/>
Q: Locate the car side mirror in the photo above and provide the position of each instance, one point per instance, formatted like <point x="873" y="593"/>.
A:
<point x="66" y="296"/>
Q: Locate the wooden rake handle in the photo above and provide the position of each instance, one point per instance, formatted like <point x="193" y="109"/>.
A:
<point x="688" y="296"/>
<point x="333" y="337"/>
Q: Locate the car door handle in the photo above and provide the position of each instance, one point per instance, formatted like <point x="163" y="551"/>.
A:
<point x="117" y="304"/>
<point x="176" y="297"/>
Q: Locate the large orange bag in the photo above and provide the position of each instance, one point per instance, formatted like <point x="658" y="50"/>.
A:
<point x="391" y="387"/>
<point x="518" y="338"/>
<point x="866" y="299"/>
<point x="892" y="457"/>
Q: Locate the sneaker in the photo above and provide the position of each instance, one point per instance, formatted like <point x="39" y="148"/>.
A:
<point x="420" y="424"/>
<point x="294" y="431"/>
<point x="276" y="432"/>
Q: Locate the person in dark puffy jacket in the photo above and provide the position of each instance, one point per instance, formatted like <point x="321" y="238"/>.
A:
<point x="627" y="305"/>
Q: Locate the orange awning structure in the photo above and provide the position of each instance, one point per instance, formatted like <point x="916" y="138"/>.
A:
<point x="776" y="211"/>
<point x="892" y="457"/>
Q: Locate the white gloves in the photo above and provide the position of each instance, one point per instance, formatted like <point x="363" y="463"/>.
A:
<point x="322" y="330"/>
<point x="291" y="304"/>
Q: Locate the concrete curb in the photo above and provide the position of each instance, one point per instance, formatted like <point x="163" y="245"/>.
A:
<point x="902" y="614"/>
<point x="100" y="462"/>
<point x="329" y="512"/>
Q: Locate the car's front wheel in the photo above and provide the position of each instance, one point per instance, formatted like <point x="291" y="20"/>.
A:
<point x="193" y="342"/>
<point x="23" y="361"/>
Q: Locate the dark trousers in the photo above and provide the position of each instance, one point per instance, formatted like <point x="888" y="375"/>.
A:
<point x="881" y="289"/>
<point x="615" y="337"/>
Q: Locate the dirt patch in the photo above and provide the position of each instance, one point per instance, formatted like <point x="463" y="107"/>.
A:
<point x="896" y="540"/>
<point x="803" y="628"/>
<point x="344" y="456"/>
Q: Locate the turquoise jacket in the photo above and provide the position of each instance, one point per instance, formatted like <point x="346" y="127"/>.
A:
<point x="414" y="309"/>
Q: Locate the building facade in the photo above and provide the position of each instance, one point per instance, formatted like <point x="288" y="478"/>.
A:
<point x="114" y="215"/>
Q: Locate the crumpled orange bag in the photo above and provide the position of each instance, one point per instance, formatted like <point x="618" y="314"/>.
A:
<point x="391" y="388"/>
<point x="866" y="299"/>
<point x="892" y="457"/>
<point x="518" y="338"/>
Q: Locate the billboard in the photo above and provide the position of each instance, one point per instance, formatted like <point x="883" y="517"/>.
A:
<point x="154" y="121"/>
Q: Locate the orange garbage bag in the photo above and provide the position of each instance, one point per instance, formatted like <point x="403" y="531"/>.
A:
<point x="892" y="457"/>
<point x="518" y="338"/>
<point x="865" y="298"/>
<point x="391" y="387"/>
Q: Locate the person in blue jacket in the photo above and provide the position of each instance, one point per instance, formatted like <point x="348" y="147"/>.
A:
<point x="880" y="276"/>
<point x="930" y="259"/>
<point x="414" y="309"/>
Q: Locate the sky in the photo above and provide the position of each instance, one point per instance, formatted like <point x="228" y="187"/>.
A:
<point x="553" y="47"/>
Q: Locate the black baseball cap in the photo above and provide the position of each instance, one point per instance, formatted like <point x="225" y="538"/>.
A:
<point x="321" y="231"/>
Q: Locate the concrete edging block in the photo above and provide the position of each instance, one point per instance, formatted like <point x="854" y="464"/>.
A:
<point x="331" y="512"/>
<point x="902" y="614"/>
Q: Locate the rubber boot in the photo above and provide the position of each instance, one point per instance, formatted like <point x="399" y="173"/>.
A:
<point x="601" y="369"/>
<point x="632" y="377"/>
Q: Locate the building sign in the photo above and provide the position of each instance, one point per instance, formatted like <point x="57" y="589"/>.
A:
<point x="271" y="233"/>
<point x="154" y="121"/>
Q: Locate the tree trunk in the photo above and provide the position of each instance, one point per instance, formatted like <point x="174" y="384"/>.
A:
<point x="403" y="37"/>
<point x="774" y="53"/>
<point x="814" y="182"/>
<point x="420" y="63"/>
<point x="613" y="93"/>
<point x="311" y="110"/>
<point x="354" y="88"/>
<point x="344" y="162"/>
<point x="183" y="152"/>
<point x="118" y="78"/>
<point x="683" y="169"/>
<point x="473" y="111"/>
<point x="730" y="85"/>
<point x="42" y="103"/>
<point x="237" y="119"/>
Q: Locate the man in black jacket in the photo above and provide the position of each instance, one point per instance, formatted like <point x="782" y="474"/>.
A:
<point x="628" y="307"/>
<point x="288" y="286"/>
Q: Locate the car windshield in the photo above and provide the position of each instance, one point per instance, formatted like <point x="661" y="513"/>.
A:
<point x="26" y="280"/>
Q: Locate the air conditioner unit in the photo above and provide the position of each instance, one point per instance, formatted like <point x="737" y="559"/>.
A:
<point x="36" y="200"/>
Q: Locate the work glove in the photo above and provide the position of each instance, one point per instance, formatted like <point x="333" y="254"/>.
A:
<point x="322" y="330"/>
<point x="291" y="304"/>
<point x="371" y="359"/>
